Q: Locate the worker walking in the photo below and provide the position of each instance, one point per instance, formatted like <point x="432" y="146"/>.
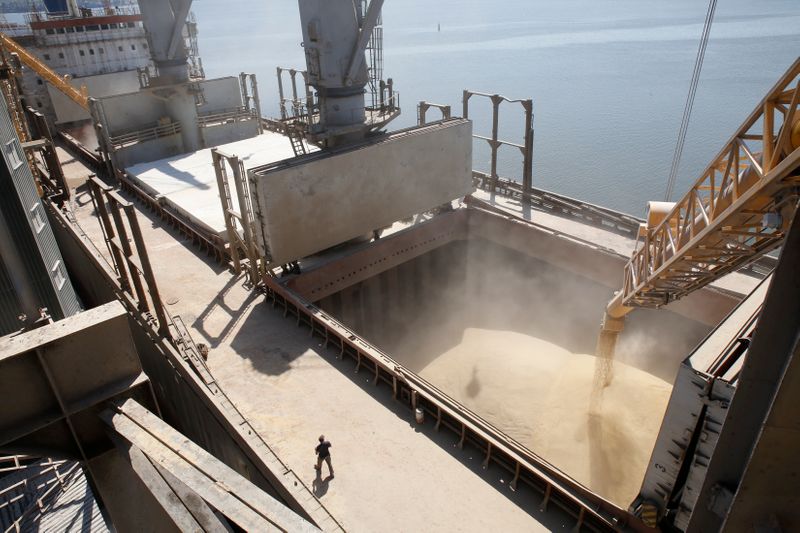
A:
<point x="323" y="454"/>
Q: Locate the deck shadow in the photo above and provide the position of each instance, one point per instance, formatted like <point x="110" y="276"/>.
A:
<point x="276" y="357"/>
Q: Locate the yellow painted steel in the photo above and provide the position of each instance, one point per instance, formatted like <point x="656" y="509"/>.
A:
<point x="79" y="96"/>
<point x="720" y="224"/>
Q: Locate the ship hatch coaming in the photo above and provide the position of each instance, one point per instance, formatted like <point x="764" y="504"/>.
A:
<point x="474" y="317"/>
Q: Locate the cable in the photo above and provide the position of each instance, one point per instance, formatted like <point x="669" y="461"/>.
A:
<point x="687" y="110"/>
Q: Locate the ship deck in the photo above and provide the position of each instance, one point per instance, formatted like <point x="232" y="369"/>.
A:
<point x="391" y="474"/>
<point x="735" y="282"/>
<point x="188" y="183"/>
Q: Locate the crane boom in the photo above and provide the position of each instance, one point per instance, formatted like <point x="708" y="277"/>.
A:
<point x="737" y="211"/>
<point x="79" y="96"/>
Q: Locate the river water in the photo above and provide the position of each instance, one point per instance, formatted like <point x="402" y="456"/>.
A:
<point x="608" y="79"/>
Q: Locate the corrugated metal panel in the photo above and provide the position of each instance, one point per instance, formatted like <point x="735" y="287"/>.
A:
<point x="72" y="509"/>
<point x="20" y="489"/>
<point x="28" y="224"/>
<point x="9" y="303"/>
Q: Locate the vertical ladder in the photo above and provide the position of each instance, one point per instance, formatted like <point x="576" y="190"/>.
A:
<point x="248" y="221"/>
<point x="227" y="207"/>
<point x="295" y="135"/>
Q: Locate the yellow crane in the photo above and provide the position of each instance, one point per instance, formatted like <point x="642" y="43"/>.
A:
<point x="737" y="211"/>
<point x="10" y="92"/>
<point x="79" y="96"/>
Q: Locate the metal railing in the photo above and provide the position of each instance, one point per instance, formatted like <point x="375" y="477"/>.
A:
<point x="495" y="142"/>
<point x="131" y="263"/>
<point x="223" y="116"/>
<point x="145" y="134"/>
<point x="422" y="111"/>
<point x="290" y="106"/>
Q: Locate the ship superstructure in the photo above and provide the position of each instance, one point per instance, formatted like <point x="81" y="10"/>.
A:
<point x="106" y="50"/>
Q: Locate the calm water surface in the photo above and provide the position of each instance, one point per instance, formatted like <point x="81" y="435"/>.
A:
<point x="608" y="79"/>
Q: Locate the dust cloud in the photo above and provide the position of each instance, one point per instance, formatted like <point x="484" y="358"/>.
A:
<point x="507" y="335"/>
<point x="85" y="133"/>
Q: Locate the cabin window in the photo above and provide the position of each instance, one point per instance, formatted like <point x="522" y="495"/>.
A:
<point x="93" y="27"/>
<point x="38" y="103"/>
<point x="103" y="26"/>
<point x="61" y="55"/>
<point x="70" y="29"/>
<point x="80" y="29"/>
<point x="60" y="30"/>
<point x="91" y="51"/>
<point x="101" y="51"/>
<point x="47" y="57"/>
<point x="120" y="48"/>
<point x="82" y="53"/>
<point x="39" y="81"/>
<point x="50" y="31"/>
<point x="133" y="47"/>
<point x="58" y="275"/>
<point x="36" y="217"/>
<point x="144" y="45"/>
<point x="131" y="25"/>
<point x="13" y="155"/>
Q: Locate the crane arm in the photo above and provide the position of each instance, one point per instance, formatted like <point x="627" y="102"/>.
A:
<point x="79" y="96"/>
<point x="737" y="211"/>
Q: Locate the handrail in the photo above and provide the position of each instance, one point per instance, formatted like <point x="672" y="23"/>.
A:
<point x="146" y="134"/>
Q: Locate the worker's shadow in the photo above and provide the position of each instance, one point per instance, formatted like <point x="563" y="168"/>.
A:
<point x="320" y="485"/>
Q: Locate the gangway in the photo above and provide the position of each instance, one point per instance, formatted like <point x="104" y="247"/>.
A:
<point x="737" y="211"/>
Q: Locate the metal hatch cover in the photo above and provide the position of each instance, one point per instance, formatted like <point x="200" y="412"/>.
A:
<point x="308" y="204"/>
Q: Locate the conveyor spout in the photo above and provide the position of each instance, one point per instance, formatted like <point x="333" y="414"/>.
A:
<point x="613" y="323"/>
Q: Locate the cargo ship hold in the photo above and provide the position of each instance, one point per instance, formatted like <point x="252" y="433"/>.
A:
<point x="194" y="292"/>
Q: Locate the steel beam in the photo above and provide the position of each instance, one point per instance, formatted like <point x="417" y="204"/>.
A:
<point x="224" y="489"/>
<point x="755" y="460"/>
<point x="56" y="375"/>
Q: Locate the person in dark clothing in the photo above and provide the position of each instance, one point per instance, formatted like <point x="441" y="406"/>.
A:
<point x="323" y="454"/>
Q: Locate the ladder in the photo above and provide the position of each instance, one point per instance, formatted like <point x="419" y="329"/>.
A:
<point x="242" y="246"/>
<point x="295" y="134"/>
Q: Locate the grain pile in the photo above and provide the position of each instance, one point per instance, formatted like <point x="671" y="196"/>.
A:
<point x="540" y="394"/>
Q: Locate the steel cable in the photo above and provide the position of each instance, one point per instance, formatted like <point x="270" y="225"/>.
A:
<point x="687" y="110"/>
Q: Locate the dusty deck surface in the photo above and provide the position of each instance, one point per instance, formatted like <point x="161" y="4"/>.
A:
<point x="391" y="475"/>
